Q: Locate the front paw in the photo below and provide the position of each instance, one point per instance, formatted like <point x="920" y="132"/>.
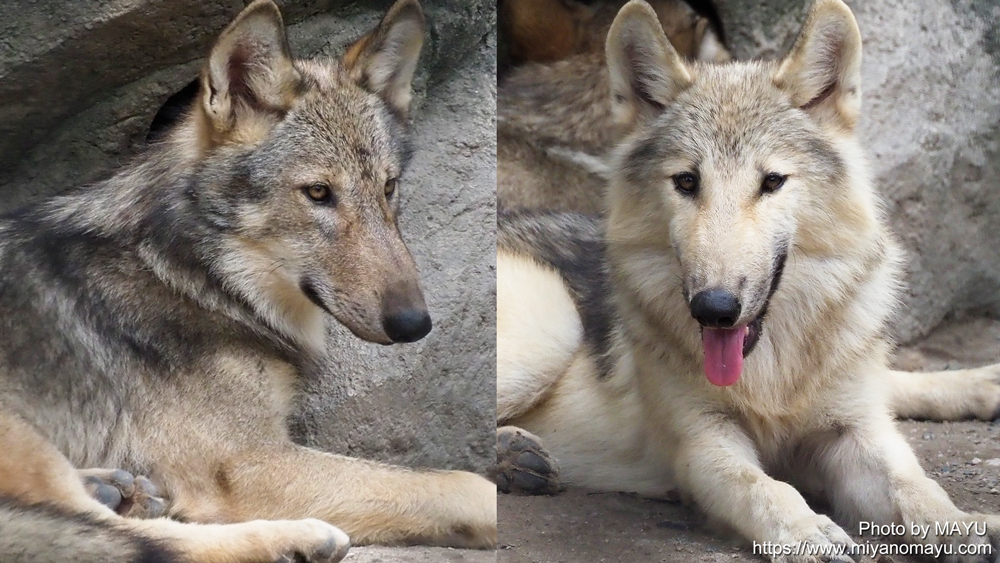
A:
<point x="986" y="403"/>
<point x="973" y="538"/>
<point x="316" y="542"/>
<point x="472" y="512"/>
<point x="819" y="540"/>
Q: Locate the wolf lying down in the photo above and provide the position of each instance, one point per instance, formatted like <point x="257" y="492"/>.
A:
<point x="159" y="321"/>
<point x="722" y="333"/>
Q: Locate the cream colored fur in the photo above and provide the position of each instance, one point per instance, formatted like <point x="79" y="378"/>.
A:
<point x="812" y="412"/>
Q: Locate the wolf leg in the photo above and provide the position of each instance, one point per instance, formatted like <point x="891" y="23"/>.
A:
<point x="946" y="395"/>
<point x="716" y="463"/>
<point x="873" y="476"/>
<point x="373" y="502"/>
<point x="39" y="486"/>
<point x="119" y="490"/>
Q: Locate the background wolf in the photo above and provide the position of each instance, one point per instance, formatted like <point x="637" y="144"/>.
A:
<point x="742" y="195"/>
<point x="176" y="304"/>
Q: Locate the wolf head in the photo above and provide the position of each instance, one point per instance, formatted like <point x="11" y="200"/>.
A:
<point x="732" y="168"/>
<point x="299" y="167"/>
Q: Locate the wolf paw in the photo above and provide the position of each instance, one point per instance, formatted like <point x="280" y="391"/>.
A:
<point x="523" y="465"/>
<point x="324" y="544"/>
<point x="974" y="538"/>
<point x="987" y="400"/>
<point x="119" y="490"/>
<point x="826" y="542"/>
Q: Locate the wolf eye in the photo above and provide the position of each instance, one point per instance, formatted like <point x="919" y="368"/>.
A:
<point x="772" y="182"/>
<point x="320" y="193"/>
<point x="390" y="187"/>
<point x="686" y="183"/>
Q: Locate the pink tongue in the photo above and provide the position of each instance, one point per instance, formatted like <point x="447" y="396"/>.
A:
<point x="723" y="354"/>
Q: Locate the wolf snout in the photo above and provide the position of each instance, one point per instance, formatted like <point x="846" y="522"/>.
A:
<point x="407" y="325"/>
<point x="716" y="308"/>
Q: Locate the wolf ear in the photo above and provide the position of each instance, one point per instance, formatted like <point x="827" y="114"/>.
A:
<point x="250" y="67"/>
<point x="646" y="73"/>
<point x="384" y="60"/>
<point x="822" y="73"/>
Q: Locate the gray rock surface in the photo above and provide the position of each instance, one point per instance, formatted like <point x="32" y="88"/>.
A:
<point x="931" y="127"/>
<point x="80" y="83"/>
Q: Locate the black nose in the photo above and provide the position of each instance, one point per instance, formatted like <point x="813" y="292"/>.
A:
<point x="408" y="325"/>
<point x="715" y="308"/>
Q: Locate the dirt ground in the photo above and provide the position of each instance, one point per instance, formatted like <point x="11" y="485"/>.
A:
<point x="418" y="555"/>
<point x="582" y="527"/>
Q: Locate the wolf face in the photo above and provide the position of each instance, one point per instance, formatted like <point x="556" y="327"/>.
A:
<point x="727" y="163"/>
<point x="300" y="168"/>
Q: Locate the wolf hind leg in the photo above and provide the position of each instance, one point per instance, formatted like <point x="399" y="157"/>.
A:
<point x="538" y="332"/>
<point x="946" y="395"/>
<point x="43" y="501"/>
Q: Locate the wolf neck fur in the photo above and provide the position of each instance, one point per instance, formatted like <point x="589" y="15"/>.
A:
<point x="156" y="211"/>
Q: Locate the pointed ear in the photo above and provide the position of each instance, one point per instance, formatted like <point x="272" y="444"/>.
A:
<point x="646" y="73"/>
<point x="250" y="67"/>
<point x="384" y="60"/>
<point x="822" y="73"/>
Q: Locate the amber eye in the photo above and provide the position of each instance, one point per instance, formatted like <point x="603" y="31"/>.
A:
<point x="390" y="188"/>
<point x="320" y="193"/>
<point x="772" y="182"/>
<point x="686" y="183"/>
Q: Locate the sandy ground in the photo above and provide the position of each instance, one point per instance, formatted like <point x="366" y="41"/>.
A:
<point x="582" y="527"/>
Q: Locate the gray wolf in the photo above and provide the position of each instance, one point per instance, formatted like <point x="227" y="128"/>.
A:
<point x="721" y="333"/>
<point x="159" y="322"/>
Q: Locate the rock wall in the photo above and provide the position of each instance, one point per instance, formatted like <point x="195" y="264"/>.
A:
<point x="931" y="126"/>
<point x="80" y="83"/>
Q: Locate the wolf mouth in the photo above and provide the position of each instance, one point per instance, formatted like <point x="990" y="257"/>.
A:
<point x="307" y="288"/>
<point x="726" y="348"/>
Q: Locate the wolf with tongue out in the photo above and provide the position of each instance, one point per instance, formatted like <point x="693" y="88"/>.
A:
<point x="723" y="332"/>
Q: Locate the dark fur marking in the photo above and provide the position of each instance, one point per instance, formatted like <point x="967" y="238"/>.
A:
<point x="777" y="270"/>
<point x="636" y="162"/>
<point x="574" y="245"/>
<point x="310" y="292"/>
<point x="781" y="256"/>
<point x="222" y="480"/>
